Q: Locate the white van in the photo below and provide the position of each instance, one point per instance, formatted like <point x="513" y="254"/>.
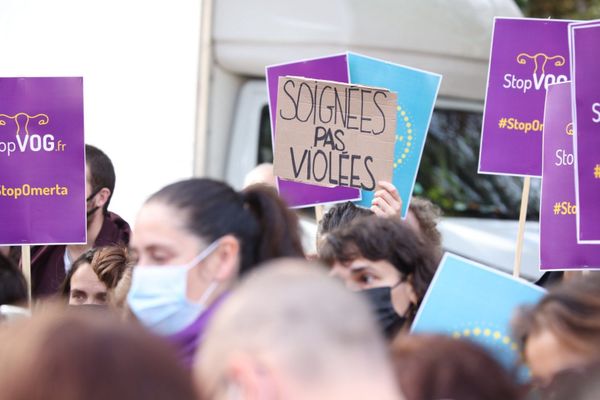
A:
<point x="448" y="37"/>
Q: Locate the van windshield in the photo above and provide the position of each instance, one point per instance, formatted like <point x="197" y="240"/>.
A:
<point x="448" y="171"/>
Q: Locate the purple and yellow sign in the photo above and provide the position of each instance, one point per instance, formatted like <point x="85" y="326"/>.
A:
<point x="42" y="161"/>
<point x="586" y="120"/>
<point x="527" y="55"/>
<point x="559" y="249"/>
<point x="331" y="68"/>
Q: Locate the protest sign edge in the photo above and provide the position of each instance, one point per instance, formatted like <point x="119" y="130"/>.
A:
<point x="572" y="28"/>
<point x="422" y="149"/>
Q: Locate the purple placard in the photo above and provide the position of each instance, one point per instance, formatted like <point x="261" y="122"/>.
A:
<point x="331" y="68"/>
<point x="526" y="55"/>
<point x="586" y="113"/>
<point x="559" y="249"/>
<point x="42" y="161"/>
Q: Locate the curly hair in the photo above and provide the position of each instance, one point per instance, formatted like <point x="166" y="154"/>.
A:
<point x="388" y="239"/>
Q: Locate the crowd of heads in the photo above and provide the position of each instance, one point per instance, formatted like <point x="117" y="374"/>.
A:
<point x="214" y="298"/>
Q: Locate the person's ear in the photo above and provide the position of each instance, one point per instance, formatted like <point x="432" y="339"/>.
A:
<point x="227" y="257"/>
<point x="101" y="197"/>
<point x="412" y="294"/>
<point x="248" y="380"/>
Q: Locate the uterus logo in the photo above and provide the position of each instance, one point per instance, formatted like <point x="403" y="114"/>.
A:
<point x="540" y="61"/>
<point x="569" y="129"/>
<point x="22" y="120"/>
<point x="540" y="78"/>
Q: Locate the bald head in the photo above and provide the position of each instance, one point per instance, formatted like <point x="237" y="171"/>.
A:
<point x="291" y="331"/>
<point x="261" y="174"/>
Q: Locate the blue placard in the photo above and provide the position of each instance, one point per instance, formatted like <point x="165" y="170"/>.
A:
<point x="469" y="300"/>
<point x="417" y="91"/>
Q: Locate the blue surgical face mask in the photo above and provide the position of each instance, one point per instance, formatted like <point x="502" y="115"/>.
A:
<point x="158" y="295"/>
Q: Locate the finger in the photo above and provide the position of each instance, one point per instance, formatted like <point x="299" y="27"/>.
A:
<point x="377" y="211"/>
<point x="386" y="208"/>
<point x="389" y="187"/>
<point x="394" y="204"/>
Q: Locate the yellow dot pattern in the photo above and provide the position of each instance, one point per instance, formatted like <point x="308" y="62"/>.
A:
<point x="496" y="335"/>
<point x="406" y="139"/>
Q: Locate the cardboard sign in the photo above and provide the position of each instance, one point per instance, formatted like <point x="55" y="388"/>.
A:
<point x="417" y="92"/>
<point x="559" y="249"/>
<point x="334" y="134"/>
<point x="526" y="56"/>
<point x="42" y="161"/>
<point x="586" y="121"/>
<point x="469" y="300"/>
<point x="334" y="68"/>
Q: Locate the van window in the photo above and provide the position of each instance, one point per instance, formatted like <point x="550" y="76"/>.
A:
<point x="448" y="171"/>
<point x="265" y="148"/>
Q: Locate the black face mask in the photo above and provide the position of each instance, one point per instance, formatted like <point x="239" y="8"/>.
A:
<point x="381" y="302"/>
<point x="91" y="196"/>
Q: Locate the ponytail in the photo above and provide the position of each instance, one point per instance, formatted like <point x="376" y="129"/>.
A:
<point x="279" y="228"/>
<point x="257" y="217"/>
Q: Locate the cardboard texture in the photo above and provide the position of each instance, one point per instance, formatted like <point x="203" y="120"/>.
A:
<point x="334" y="134"/>
<point x="332" y="68"/>
<point x="417" y="91"/>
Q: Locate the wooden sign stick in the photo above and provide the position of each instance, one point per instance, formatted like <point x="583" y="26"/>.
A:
<point x="319" y="211"/>
<point x="26" y="268"/>
<point x="521" y="231"/>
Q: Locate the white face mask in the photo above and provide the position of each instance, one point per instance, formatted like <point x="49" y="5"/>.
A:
<point x="158" y="295"/>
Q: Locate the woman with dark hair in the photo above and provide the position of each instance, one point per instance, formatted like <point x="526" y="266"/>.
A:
<point x="562" y="332"/>
<point x="384" y="258"/>
<point x="192" y="239"/>
<point x="94" y="276"/>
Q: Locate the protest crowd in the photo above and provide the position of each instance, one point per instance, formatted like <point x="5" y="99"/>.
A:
<point x="212" y="297"/>
<point x="212" y="293"/>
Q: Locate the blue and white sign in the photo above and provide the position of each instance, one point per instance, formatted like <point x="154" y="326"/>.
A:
<point x="469" y="300"/>
<point x="417" y="91"/>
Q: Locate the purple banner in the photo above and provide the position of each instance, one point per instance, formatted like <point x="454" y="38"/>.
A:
<point x="586" y="113"/>
<point x="332" y="68"/>
<point x="559" y="249"/>
<point x="526" y="56"/>
<point x="42" y="161"/>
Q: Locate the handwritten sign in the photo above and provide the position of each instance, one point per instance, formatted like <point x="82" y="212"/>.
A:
<point x="527" y="55"/>
<point x="332" y="68"/>
<point x="586" y="120"/>
<point x="334" y="134"/>
<point x="559" y="249"/>
<point x="417" y="91"/>
<point x="42" y="161"/>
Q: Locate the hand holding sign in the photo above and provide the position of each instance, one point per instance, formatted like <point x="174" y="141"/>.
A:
<point x="334" y="134"/>
<point x="386" y="200"/>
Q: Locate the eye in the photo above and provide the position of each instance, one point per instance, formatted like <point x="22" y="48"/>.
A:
<point x="78" y="296"/>
<point x="101" y="298"/>
<point x="366" y="278"/>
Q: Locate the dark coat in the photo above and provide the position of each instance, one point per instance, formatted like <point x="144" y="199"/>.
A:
<point x="47" y="262"/>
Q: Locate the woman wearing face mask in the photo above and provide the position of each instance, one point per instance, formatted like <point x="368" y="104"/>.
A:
<point x="192" y="239"/>
<point x="383" y="258"/>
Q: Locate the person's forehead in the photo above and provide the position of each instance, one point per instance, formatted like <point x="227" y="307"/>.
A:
<point x="86" y="279"/>
<point x="159" y="223"/>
